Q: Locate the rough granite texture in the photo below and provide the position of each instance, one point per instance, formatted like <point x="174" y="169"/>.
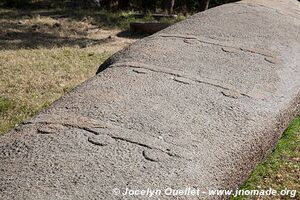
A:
<point x="195" y="105"/>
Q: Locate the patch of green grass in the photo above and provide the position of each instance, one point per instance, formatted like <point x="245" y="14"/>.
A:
<point x="119" y="19"/>
<point x="281" y="169"/>
<point x="6" y="105"/>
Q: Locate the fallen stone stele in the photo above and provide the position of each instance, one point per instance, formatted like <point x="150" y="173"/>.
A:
<point x="195" y="105"/>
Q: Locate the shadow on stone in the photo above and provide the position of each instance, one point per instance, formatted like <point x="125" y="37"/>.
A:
<point x="148" y="27"/>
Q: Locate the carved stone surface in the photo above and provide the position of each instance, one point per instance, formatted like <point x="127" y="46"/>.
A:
<point x="195" y="105"/>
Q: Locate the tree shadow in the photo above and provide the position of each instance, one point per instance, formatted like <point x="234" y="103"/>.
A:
<point x="36" y="40"/>
<point x="32" y="29"/>
<point x="131" y="35"/>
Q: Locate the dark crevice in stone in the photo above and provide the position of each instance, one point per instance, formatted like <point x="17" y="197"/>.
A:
<point x="217" y="43"/>
<point x="147" y="157"/>
<point x="176" y="73"/>
<point x="138" y="72"/>
<point x="95" y="133"/>
<point x="181" y="81"/>
<point x="132" y="142"/>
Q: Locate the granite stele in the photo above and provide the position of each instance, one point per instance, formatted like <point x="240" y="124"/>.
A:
<point x="195" y="106"/>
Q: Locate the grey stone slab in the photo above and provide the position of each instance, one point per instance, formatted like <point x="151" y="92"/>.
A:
<point x="197" y="105"/>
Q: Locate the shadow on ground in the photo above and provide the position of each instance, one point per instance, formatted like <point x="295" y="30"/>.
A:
<point x="33" y="29"/>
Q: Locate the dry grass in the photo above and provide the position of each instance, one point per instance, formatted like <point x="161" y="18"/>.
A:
<point x="42" y="57"/>
<point x="32" y="79"/>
